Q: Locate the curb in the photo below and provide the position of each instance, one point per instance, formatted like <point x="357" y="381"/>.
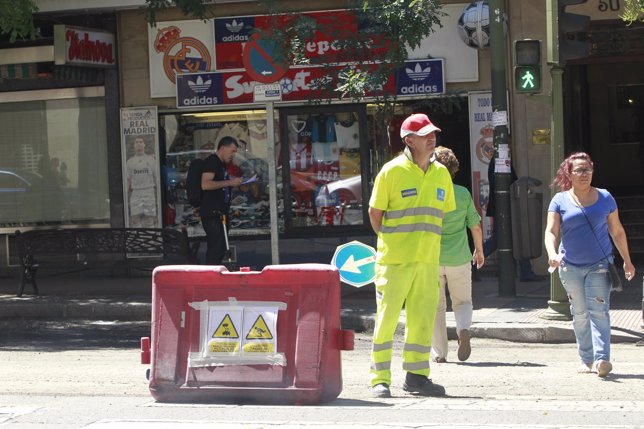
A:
<point x="513" y="332"/>
<point x="360" y="321"/>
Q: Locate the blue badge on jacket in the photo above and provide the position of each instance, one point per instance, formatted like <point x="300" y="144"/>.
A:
<point x="440" y="194"/>
<point x="409" y="192"/>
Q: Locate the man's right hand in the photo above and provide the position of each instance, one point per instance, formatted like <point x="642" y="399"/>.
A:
<point x="235" y="181"/>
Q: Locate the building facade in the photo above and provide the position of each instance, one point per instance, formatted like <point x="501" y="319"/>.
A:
<point x="71" y="130"/>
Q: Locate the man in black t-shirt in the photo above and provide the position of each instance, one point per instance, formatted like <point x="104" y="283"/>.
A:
<point x="215" y="200"/>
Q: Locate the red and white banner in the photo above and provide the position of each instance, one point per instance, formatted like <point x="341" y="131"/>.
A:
<point x="481" y="150"/>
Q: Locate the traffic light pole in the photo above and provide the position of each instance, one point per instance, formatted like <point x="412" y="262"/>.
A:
<point x="558" y="306"/>
<point x="502" y="220"/>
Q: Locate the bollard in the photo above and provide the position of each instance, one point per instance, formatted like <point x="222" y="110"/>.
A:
<point x="145" y="350"/>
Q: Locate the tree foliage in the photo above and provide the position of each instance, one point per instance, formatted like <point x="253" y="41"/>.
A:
<point x="633" y="11"/>
<point x="16" y="19"/>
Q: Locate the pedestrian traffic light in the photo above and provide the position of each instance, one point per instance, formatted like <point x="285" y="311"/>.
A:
<point x="573" y="32"/>
<point x="527" y="66"/>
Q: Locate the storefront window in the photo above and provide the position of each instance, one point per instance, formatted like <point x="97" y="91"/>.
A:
<point x="53" y="159"/>
<point x="190" y="136"/>
<point x="323" y="167"/>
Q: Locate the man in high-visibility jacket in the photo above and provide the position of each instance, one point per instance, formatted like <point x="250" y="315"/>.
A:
<point x="411" y="194"/>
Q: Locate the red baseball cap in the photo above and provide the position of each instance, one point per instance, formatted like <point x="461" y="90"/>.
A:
<point x="418" y="124"/>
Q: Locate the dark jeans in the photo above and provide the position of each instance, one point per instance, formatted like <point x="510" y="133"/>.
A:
<point x="215" y="240"/>
<point x="525" y="267"/>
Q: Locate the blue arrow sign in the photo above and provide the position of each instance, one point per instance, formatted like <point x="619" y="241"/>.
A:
<point x="356" y="262"/>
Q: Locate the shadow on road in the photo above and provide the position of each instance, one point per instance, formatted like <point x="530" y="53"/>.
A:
<point x="48" y="336"/>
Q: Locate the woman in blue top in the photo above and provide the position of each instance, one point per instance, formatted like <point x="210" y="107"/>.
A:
<point x="587" y="219"/>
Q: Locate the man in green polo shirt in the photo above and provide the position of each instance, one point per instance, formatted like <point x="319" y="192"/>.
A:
<point x="456" y="265"/>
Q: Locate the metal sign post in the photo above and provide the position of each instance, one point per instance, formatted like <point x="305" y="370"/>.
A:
<point x="270" y="93"/>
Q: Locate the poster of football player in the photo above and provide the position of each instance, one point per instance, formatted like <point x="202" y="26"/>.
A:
<point x="141" y="180"/>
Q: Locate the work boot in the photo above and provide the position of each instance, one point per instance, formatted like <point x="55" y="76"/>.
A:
<point x="464" y="347"/>
<point x="380" y="391"/>
<point x="420" y="385"/>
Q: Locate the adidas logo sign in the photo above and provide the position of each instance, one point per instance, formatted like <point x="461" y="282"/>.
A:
<point x="235" y="27"/>
<point x="418" y="73"/>
<point x="199" y="85"/>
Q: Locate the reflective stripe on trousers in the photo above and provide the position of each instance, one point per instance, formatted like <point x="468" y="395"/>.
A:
<point x="415" y="286"/>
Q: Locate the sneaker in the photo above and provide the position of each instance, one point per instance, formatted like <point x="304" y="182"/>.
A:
<point x="439" y="359"/>
<point x="464" y="347"/>
<point x="585" y="368"/>
<point x="421" y="385"/>
<point x="603" y="367"/>
<point x="380" y="391"/>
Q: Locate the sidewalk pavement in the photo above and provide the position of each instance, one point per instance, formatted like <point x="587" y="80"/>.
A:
<point x="92" y="295"/>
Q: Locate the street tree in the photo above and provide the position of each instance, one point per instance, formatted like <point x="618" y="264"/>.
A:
<point x="16" y="19"/>
<point x="633" y="11"/>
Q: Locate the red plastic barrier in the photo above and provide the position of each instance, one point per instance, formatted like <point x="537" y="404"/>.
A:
<point x="269" y="336"/>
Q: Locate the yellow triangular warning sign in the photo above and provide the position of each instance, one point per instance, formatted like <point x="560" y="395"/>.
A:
<point x="259" y="330"/>
<point x="226" y="329"/>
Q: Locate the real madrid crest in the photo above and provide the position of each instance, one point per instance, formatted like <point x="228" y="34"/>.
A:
<point x="485" y="145"/>
<point x="181" y="54"/>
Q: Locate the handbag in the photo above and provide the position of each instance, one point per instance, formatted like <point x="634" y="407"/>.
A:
<point x="615" y="279"/>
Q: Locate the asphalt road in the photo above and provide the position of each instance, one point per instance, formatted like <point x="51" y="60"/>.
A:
<point x="88" y="375"/>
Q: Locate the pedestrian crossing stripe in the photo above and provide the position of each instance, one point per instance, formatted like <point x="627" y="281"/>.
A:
<point x="226" y="329"/>
<point x="259" y="330"/>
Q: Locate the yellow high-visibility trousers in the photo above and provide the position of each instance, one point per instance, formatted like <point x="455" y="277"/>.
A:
<point x="416" y="286"/>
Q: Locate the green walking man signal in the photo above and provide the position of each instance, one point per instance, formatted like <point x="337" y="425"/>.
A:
<point x="527" y="79"/>
<point x="527" y="66"/>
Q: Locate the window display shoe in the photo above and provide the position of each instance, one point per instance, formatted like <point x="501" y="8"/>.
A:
<point x="380" y="391"/>
<point x="464" y="347"/>
<point x="603" y="367"/>
<point x="420" y="385"/>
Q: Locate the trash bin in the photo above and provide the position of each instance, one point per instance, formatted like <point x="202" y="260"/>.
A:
<point x="272" y="336"/>
<point x="526" y="204"/>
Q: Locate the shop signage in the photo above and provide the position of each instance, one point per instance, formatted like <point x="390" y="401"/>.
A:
<point x="356" y="263"/>
<point x="416" y="78"/>
<point x="199" y="89"/>
<point x="83" y="47"/>
<point x="176" y="47"/>
<point x="232" y="33"/>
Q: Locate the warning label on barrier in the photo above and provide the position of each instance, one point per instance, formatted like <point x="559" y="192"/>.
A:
<point x="223" y="335"/>
<point x="259" y="326"/>
<point x="259" y="330"/>
<point x="226" y="329"/>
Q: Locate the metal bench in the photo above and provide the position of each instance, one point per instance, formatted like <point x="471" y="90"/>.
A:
<point x="86" y="248"/>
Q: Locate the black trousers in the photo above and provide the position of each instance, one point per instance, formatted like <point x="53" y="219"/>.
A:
<point x="215" y="239"/>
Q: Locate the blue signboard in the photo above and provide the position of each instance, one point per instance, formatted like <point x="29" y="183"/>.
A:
<point x="199" y="89"/>
<point x="421" y="77"/>
<point x="356" y="262"/>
